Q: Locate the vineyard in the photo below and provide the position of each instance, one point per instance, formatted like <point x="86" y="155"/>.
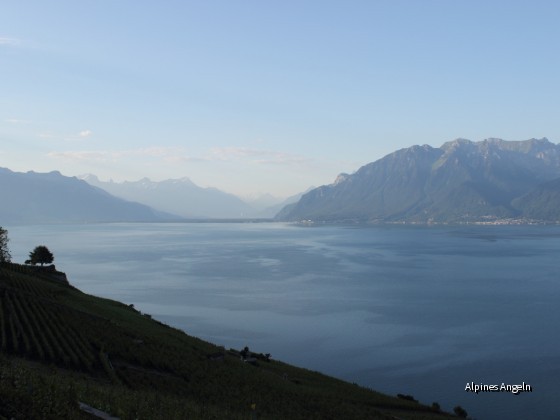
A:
<point x="60" y="347"/>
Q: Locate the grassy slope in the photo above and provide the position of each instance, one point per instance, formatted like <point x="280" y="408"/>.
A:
<point x="60" y="346"/>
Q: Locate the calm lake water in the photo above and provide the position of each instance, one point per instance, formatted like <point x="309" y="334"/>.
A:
<point x="412" y="310"/>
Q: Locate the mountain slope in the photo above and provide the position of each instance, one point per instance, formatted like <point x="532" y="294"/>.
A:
<point x="273" y="210"/>
<point x="51" y="198"/>
<point x="541" y="202"/>
<point x="460" y="181"/>
<point x="178" y="196"/>
<point x="60" y="347"/>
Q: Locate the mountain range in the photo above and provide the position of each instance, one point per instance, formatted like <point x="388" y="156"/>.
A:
<point x="491" y="181"/>
<point x="53" y="198"/>
<point x="177" y="196"/>
<point x="461" y="181"/>
<point x="186" y="199"/>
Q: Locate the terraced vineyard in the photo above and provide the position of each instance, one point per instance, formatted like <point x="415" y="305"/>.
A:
<point x="35" y="326"/>
<point x="60" y="347"/>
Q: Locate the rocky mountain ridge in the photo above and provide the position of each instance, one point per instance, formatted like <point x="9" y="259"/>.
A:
<point x="461" y="181"/>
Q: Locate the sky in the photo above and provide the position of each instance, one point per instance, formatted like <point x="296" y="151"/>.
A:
<point x="267" y="96"/>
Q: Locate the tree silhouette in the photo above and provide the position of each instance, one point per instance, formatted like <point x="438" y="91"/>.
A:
<point x="460" y="412"/>
<point x="4" y="251"/>
<point x="40" y="255"/>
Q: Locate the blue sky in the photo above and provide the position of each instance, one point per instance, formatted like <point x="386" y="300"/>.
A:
<point x="267" y="96"/>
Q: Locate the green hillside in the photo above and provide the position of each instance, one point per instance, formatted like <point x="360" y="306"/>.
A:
<point x="61" y="348"/>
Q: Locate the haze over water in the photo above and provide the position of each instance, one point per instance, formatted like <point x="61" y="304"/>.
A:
<point x="411" y="310"/>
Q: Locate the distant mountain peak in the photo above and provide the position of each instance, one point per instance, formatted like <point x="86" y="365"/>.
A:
<point x="184" y="180"/>
<point x="88" y="178"/>
<point x="454" y="144"/>
<point x="341" y="178"/>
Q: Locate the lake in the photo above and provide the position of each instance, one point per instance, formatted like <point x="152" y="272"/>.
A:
<point x="400" y="309"/>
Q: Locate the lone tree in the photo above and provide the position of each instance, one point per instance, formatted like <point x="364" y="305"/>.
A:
<point x="460" y="412"/>
<point x="4" y="251"/>
<point x="40" y="255"/>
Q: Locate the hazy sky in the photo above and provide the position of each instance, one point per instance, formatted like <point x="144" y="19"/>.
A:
<point x="267" y="96"/>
